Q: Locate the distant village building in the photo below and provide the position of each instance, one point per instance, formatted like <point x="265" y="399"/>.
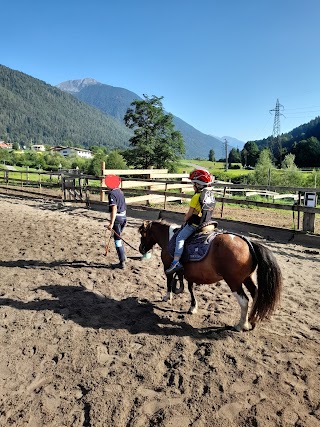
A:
<point x="67" y="151"/>
<point x="5" y="145"/>
<point x="38" y="147"/>
<point x="57" y="148"/>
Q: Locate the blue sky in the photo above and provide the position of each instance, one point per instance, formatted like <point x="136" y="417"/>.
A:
<point x="220" y="65"/>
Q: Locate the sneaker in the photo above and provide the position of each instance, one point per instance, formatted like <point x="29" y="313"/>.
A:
<point x="175" y="266"/>
<point x="120" y="265"/>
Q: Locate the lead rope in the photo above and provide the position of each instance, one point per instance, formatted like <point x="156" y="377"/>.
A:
<point x="112" y="231"/>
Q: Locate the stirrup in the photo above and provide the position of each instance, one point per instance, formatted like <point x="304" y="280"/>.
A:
<point x="174" y="267"/>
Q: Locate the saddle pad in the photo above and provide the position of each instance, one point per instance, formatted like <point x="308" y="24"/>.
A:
<point x="196" y="246"/>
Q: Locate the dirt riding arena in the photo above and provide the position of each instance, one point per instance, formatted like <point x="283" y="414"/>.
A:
<point x="85" y="345"/>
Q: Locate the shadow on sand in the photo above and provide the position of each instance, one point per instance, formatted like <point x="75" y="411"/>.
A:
<point x="91" y="309"/>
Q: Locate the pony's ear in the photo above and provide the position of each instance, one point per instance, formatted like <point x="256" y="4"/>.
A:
<point x="146" y="224"/>
<point x="143" y="226"/>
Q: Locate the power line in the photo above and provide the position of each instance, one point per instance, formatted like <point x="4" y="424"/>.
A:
<point x="302" y="108"/>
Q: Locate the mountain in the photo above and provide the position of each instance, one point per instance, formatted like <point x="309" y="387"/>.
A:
<point x="35" y="112"/>
<point x="73" y="86"/>
<point x="234" y="142"/>
<point x="80" y="113"/>
<point x="115" y="101"/>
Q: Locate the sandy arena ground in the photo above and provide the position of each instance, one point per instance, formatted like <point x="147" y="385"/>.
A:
<point x="85" y="345"/>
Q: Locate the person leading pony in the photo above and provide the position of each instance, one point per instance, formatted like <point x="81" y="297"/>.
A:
<point x="200" y="211"/>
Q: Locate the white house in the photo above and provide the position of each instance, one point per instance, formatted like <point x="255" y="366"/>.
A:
<point x="5" y="145"/>
<point x="38" y="147"/>
<point x="81" y="152"/>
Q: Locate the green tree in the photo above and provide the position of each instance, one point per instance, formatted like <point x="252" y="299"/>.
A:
<point x="95" y="149"/>
<point x="262" y="174"/>
<point x="291" y="175"/>
<point x="212" y="156"/>
<point x="234" y="156"/>
<point x="307" y="152"/>
<point x="313" y="179"/>
<point x="30" y="158"/>
<point x="53" y="160"/>
<point x="95" y="163"/>
<point x="5" y="156"/>
<point x="250" y="154"/>
<point x="81" y="163"/>
<point x="17" y="158"/>
<point x="155" y="142"/>
<point x="115" y="161"/>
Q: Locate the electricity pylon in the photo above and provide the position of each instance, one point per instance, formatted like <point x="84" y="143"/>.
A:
<point x="276" y="130"/>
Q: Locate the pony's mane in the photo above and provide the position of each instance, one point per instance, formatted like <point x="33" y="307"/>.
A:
<point x="148" y="223"/>
<point x="169" y="224"/>
<point x="163" y="221"/>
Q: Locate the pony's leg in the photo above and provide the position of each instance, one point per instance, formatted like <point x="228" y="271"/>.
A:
<point x="168" y="296"/>
<point x="181" y="287"/>
<point x="194" y="303"/>
<point x="252" y="288"/>
<point x="242" y="299"/>
<point x="249" y="284"/>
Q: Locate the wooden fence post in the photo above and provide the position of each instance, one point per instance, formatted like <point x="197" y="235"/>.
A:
<point x="224" y="194"/>
<point x="308" y="221"/>
<point x="165" y="197"/>
<point x="63" y="187"/>
<point x="299" y="203"/>
<point x="310" y="200"/>
<point x="102" y="184"/>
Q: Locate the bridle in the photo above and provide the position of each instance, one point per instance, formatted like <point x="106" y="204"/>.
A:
<point x="144" y="228"/>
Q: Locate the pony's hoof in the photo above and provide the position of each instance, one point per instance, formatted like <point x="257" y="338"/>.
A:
<point x="241" y="328"/>
<point x="193" y="310"/>
<point x="166" y="298"/>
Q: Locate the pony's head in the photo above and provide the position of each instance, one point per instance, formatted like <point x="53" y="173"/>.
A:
<point x="147" y="240"/>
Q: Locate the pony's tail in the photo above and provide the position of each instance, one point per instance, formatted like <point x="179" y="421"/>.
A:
<point x="269" y="281"/>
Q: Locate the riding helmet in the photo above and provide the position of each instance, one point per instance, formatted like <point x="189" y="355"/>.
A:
<point x="201" y="177"/>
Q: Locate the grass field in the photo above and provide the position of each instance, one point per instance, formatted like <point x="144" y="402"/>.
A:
<point x="215" y="168"/>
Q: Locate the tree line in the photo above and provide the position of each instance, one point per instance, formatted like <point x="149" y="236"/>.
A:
<point x="306" y="153"/>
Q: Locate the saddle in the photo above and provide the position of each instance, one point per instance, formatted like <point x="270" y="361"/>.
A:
<point x="196" y="246"/>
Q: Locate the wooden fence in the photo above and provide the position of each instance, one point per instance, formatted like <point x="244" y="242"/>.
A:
<point x="158" y="187"/>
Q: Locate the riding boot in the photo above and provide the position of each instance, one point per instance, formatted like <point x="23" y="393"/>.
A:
<point x="121" y="253"/>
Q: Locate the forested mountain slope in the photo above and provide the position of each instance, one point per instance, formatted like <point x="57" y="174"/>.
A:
<point x="35" y="112"/>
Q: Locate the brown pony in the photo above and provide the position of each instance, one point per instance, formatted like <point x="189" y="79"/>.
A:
<point x="231" y="257"/>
